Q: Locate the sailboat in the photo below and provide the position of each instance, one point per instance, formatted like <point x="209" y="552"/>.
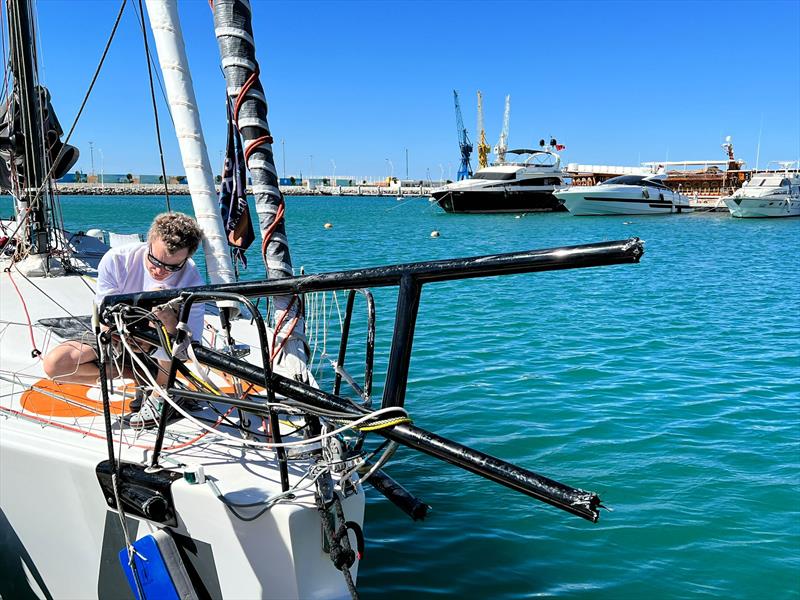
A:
<point x="253" y="483"/>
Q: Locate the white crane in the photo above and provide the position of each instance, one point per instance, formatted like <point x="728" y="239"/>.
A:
<point x="502" y="144"/>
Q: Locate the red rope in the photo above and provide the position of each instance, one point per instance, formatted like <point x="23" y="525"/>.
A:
<point x="35" y="352"/>
<point x="267" y="235"/>
<point x="242" y="93"/>
<point x="279" y="215"/>
<point x="253" y="146"/>
<point x="97" y="436"/>
<point x="279" y="326"/>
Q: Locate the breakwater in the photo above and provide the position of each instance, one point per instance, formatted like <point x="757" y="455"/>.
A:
<point x="157" y="189"/>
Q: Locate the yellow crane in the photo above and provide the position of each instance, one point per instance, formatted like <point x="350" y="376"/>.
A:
<point x="483" y="147"/>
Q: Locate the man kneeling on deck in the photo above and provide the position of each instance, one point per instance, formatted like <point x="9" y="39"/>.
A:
<point x="162" y="262"/>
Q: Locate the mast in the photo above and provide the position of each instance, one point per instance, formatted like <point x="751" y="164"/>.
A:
<point x="174" y="64"/>
<point x="31" y="146"/>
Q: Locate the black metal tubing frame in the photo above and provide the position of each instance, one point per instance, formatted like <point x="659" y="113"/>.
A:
<point x="410" y="278"/>
<point x="370" y="349"/>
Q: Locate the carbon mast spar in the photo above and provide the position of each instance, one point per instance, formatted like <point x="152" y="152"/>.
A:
<point x="31" y="152"/>
<point x="30" y="148"/>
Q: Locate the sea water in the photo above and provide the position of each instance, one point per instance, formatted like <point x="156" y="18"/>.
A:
<point x="671" y="388"/>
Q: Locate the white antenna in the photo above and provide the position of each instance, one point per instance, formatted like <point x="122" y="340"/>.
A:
<point x="758" y="147"/>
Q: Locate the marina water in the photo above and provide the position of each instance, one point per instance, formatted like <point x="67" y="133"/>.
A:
<point x="671" y="388"/>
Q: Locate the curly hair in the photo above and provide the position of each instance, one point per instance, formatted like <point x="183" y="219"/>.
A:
<point x="177" y="231"/>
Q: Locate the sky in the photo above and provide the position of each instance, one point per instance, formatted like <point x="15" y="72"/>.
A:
<point x="352" y="86"/>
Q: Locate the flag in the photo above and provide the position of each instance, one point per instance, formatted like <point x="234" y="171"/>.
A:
<point x="560" y="147"/>
<point x="233" y="196"/>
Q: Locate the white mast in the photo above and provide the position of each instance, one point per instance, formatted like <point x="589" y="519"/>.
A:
<point x="183" y="105"/>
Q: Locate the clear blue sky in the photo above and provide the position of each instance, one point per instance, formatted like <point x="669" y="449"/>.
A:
<point x="359" y="82"/>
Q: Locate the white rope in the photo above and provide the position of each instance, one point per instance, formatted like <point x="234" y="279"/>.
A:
<point x="237" y="441"/>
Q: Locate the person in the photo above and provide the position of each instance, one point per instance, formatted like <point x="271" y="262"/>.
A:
<point x="162" y="262"/>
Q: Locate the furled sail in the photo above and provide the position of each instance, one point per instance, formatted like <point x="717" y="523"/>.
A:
<point x="174" y="63"/>
<point x="61" y="157"/>
<point x="233" y="28"/>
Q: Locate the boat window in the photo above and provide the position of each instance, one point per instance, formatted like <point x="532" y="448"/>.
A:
<point x="624" y="180"/>
<point x="494" y="175"/>
<point x="655" y="183"/>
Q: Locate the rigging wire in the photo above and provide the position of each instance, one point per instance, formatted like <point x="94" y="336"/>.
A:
<point x="26" y="216"/>
<point x="140" y="14"/>
<point x="225" y="437"/>
<point x="6" y="70"/>
<point x="49" y="297"/>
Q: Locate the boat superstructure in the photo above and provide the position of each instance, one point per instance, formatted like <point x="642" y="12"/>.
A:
<point x="524" y="186"/>
<point x="768" y="194"/>
<point x="624" y="195"/>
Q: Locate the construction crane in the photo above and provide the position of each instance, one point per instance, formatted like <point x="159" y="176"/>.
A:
<point x="483" y="147"/>
<point x="502" y="144"/>
<point x="464" y="169"/>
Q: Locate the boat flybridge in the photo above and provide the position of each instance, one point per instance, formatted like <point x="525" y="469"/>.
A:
<point x="624" y="195"/>
<point x="768" y="194"/>
<point x="524" y="186"/>
<point x="252" y="483"/>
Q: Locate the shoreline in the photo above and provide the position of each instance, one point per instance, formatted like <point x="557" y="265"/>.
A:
<point x="157" y="189"/>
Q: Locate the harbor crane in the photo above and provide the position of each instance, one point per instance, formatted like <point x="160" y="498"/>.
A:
<point x="483" y="147"/>
<point x="464" y="169"/>
<point x="502" y="144"/>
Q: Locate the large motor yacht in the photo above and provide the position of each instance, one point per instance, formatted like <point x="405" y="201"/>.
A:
<point x="525" y="186"/>
<point x="625" y="195"/>
<point x="767" y="194"/>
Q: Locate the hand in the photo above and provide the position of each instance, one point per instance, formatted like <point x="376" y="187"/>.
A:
<point x="169" y="318"/>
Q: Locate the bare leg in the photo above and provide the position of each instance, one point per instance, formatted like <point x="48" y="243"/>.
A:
<point x="72" y="362"/>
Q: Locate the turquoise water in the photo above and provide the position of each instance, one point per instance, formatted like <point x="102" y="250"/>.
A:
<point x="671" y="388"/>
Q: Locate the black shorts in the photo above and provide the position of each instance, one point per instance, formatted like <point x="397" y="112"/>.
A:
<point x="116" y="353"/>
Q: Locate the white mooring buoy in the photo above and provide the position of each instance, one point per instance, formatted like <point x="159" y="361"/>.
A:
<point x="434" y="233"/>
<point x="328" y="226"/>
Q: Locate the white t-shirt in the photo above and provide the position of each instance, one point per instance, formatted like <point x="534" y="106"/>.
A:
<point x="122" y="270"/>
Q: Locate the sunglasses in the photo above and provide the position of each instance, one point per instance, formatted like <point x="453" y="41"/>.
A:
<point x="162" y="265"/>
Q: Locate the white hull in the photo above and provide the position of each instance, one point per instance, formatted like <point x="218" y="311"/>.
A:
<point x="621" y="200"/>
<point x="767" y="194"/>
<point x="60" y="538"/>
<point x="763" y="207"/>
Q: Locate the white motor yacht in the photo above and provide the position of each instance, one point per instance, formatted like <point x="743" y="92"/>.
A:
<point x="625" y="195"/>
<point x="767" y="194"/>
<point x="525" y="186"/>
